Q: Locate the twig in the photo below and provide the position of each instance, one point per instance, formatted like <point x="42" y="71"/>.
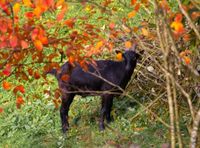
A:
<point x="191" y="24"/>
<point x="194" y="132"/>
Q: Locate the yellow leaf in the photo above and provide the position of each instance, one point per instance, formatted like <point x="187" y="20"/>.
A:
<point x="177" y="26"/>
<point x="88" y="8"/>
<point x="128" y="44"/>
<point x="131" y="14"/>
<point x="16" y="8"/>
<point x="60" y="3"/>
<point x="145" y="32"/>
<point x="38" y="45"/>
<point x="27" y="3"/>
<point x="99" y="45"/>
<point x="37" y="11"/>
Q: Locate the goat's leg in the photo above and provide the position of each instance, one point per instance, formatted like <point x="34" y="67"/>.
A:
<point x="66" y="102"/>
<point x="105" y="110"/>
<point x="109" y="103"/>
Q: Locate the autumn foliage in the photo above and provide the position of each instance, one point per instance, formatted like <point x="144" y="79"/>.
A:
<point x="37" y="36"/>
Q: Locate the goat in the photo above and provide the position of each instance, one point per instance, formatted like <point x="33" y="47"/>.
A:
<point x="107" y="77"/>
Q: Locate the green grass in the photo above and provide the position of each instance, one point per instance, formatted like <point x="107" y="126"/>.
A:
<point x="37" y="123"/>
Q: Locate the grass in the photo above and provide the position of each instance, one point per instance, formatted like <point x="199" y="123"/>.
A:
<point x="37" y="123"/>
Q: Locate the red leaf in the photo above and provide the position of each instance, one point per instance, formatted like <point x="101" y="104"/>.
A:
<point x="61" y="15"/>
<point x="178" y="17"/>
<point x="19" y="102"/>
<point x="49" y="3"/>
<point x="5" y="7"/>
<point x="29" y="15"/>
<point x="70" y="23"/>
<point x="13" y="41"/>
<point x="7" y="70"/>
<point x="24" y="44"/>
<point x="112" y="26"/>
<point x="137" y="7"/>
<point x="1" y="110"/>
<point x="36" y="75"/>
<point x="3" y="27"/>
<point x="19" y="88"/>
<point x="34" y="33"/>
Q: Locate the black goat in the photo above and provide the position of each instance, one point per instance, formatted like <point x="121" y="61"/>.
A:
<point x="106" y="79"/>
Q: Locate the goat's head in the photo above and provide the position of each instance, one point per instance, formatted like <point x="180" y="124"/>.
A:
<point x="130" y="57"/>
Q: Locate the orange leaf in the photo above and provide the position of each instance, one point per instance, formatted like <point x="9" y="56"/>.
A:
<point x="145" y="32"/>
<point x="37" y="11"/>
<point x="186" y="37"/>
<point x="60" y="3"/>
<point x="70" y="23"/>
<point x="13" y="41"/>
<point x="24" y="44"/>
<point x="16" y="8"/>
<point x="44" y="40"/>
<point x="131" y="14"/>
<point x="71" y="60"/>
<point x="128" y="44"/>
<point x="19" y="88"/>
<point x="19" y="102"/>
<point x="65" y="77"/>
<point x="178" y="27"/>
<point x="119" y="56"/>
<point x="6" y="85"/>
<point x="38" y="45"/>
<point x="27" y="3"/>
<point x="135" y="29"/>
<point x="7" y="70"/>
<point x="195" y="15"/>
<point x="187" y="60"/>
<point x="99" y="45"/>
<point x="133" y="2"/>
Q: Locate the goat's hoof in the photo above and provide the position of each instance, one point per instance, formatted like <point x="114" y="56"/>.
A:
<point x="65" y="128"/>
<point x="101" y="127"/>
<point x="109" y="120"/>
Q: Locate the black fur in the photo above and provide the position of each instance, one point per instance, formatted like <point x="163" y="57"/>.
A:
<point x="102" y="79"/>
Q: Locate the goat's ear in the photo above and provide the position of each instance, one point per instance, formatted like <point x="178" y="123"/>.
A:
<point x="119" y="55"/>
<point x="117" y="51"/>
